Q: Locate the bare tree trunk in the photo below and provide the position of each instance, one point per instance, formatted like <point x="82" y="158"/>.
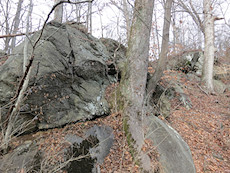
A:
<point x="25" y="61"/>
<point x="89" y="18"/>
<point x="16" y="22"/>
<point x="78" y="12"/>
<point x="161" y="65"/>
<point x="58" y="12"/>
<point x="138" y="46"/>
<point x="134" y="76"/>
<point x="157" y="34"/>
<point x="175" y="30"/>
<point x="127" y="16"/>
<point x="101" y="22"/>
<point x="7" y="40"/>
<point x="209" y="50"/>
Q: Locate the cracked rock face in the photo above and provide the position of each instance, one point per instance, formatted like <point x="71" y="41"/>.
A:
<point x="68" y="79"/>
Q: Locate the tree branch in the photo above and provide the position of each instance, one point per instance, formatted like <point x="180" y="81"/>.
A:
<point x="15" y="35"/>
<point x="51" y="11"/>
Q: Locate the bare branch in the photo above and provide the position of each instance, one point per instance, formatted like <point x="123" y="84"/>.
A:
<point x="51" y="11"/>
<point x="15" y="35"/>
<point x="193" y="14"/>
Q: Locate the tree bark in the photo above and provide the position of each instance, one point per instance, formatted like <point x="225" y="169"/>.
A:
<point x="209" y="50"/>
<point x="135" y="73"/>
<point x="161" y="65"/>
<point x="134" y="76"/>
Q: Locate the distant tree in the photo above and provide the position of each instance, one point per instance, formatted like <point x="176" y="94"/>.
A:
<point x="89" y="17"/>
<point x="206" y="26"/>
<point x="11" y="26"/>
<point x="126" y="10"/>
<point x="6" y="13"/>
<point x="128" y="15"/>
<point x="78" y="12"/>
<point x="58" y="12"/>
<point x="16" y="22"/>
<point x="209" y="49"/>
<point x="191" y="10"/>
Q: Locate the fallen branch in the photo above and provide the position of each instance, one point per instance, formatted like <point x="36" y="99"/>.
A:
<point x="202" y="90"/>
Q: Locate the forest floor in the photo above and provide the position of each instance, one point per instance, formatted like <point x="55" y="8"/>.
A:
<point x="205" y="127"/>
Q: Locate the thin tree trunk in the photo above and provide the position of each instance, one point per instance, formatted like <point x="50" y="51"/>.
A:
<point x="13" y="116"/>
<point x="127" y="16"/>
<point x="161" y="65"/>
<point x="7" y="40"/>
<point x="25" y="61"/>
<point x="78" y="13"/>
<point x="58" y="12"/>
<point x="16" y="23"/>
<point x="209" y="50"/>
<point x="157" y="35"/>
<point x="89" y="18"/>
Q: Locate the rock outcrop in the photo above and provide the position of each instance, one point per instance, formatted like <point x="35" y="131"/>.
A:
<point x="187" y="61"/>
<point x="96" y="143"/>
<point x="68" y="79"/>
<point x="82" y="154"/>
<point x="175" y="155"/>
<point x="24" y="158"/>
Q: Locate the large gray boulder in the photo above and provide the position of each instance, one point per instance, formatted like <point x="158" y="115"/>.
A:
<point x="187" y="61"/>
<point x="96" y="144"/>
<point x="175" y="155"/>
<point x="24" y="158"/>
<point x="68" y="80"/>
